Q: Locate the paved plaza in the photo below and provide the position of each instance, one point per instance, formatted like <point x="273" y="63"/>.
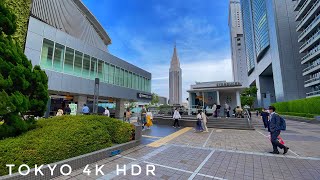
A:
<point x="219" y="154"/>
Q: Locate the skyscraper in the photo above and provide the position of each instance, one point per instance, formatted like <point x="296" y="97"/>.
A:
<point x="308" y="15"/>
<point x="175" y="80"/>
<point x="272" y="50"/>
<point x="239" y="64"/>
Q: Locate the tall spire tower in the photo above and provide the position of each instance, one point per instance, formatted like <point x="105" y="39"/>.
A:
<point x="175" y="80"/>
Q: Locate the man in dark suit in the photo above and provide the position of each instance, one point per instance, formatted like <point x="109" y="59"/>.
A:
<point x="274" y="128"/>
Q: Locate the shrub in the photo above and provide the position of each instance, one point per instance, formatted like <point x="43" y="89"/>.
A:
<point x="61" y="138"/>
<point x="307" y="106"/>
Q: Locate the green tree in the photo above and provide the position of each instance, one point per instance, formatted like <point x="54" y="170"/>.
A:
<point x="155" y="99"/>
<point x="23" y="89"/>
<point x="248" y="96"/>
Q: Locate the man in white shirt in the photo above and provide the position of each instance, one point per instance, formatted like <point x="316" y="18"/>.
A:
<point x="176" y="117"/>
<point x="107" y="112"/>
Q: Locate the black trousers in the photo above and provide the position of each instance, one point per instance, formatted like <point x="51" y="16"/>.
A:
<point x="275" y="142"/>
<point x="176" y="122"/>
<point x="265" y="122"/>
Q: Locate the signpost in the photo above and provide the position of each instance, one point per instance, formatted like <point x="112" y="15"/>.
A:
<point x="73" y="108"/>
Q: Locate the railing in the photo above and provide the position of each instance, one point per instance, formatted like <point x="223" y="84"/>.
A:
<point x="248" y="117"/>
<point x="312" y="52"/>
<point x="312" y="80"/>
<point x="307" y="14"/>
<point x="316" y="63"/>
<point x="313" y="93"/>
<point x="310" y="26"/>
<point x="302" y="7"/>
<point x="316" y="35"/>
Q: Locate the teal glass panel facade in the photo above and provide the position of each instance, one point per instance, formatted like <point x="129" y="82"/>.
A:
<point x="47" y="54"/>
<point x="64" y="59"/>
<point x="58" y="57"/>
<point x="68" y="61"/>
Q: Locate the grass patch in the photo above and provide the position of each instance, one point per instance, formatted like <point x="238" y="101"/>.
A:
<point x="60" y="138"/>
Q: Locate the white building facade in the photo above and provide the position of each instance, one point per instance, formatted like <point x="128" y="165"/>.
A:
<point x="239" y="65"/>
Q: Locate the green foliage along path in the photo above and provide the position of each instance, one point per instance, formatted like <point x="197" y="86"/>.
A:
<point x="62" y="137"/>
<point x="23" y="88"/>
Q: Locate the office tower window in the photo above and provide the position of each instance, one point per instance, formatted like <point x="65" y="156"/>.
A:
<point x="47" y="54"/>
<point x="68" y="62"/>
<point x="58" y="57"/>
<point x="93" y="68"/>
<point x="86" y="66"/>
<point x="247" y="22"/>
<point x="111" y="74"/>
<point x="260" y="25"/>
<point x="101" y="71"/>
<point x="78" y="63"/>
<point x="106" y="69"/>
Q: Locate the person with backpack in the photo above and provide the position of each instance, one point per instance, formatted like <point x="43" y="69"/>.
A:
<point x="276" y="125"/>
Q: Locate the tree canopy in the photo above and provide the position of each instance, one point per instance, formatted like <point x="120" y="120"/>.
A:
<point x="23" y="88"/>
<point x="248" y="96"/>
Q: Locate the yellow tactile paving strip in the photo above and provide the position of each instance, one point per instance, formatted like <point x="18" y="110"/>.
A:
<point x="166" y="139"/>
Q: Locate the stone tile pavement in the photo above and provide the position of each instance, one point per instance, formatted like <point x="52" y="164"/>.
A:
<point x="220" y="154"/>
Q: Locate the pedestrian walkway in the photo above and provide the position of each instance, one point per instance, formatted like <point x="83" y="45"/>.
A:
<point x="219" y="154"/>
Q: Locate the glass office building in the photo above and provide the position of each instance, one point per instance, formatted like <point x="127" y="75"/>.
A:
<point x="272" y="50"/>
<point x="308" y="18"/>
<point x="68" y="42"/>
<point x="248" y="35"/>
<point x="260" y="26"/>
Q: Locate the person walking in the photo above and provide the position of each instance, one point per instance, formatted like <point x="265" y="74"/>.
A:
<point x="264" y="116"/>
<point x="143" y="117"/>
<point x="218" y="110"/>
<point x="214" y="108"/>
<point x="199" y="127"/>
<point x="176" y="116"/>
<point x="67" y="110"/>
<point x="128" y="115"/>
<point x="85" y="110"/>
<point x="276" y="124"/>
<point x="227" y="109"/>
<point x="204" y="122"/>
<point x="106" y="112"/>
<point x="149" y="118"/>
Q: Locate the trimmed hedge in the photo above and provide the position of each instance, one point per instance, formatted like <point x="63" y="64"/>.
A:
<point x="303" y="106"/>
<point x="61" y="138"/>
<point x="298" y="114"/>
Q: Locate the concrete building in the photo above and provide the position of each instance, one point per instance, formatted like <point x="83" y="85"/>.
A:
<point x="175" y="80"/>
<point x="239" y="64"/>
<point x="163" y="100"/>
<point x="308" y="17"/>
<point x="272" y="50"/>
<point x="203" y="95"/>
<point x="69" y="43"/>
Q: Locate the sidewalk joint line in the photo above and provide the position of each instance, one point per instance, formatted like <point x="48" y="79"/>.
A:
<point x="201" y="165"/>
<point x="205" y="143"/>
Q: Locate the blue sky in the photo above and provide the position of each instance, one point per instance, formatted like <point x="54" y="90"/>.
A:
<point x="143" y="32"/>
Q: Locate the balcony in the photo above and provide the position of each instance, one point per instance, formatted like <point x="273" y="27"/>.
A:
<point x="311" y="69"/>
<point x="312" y="54"/>
<point x="303" y="9"/>
<point x="313" y="93"/>
<point x="299" y="4"/>
<point x="309" y="29"/>
<point x="314" y="9"/>
<point x="314" y="39"/>
<point x="312" y="82"/>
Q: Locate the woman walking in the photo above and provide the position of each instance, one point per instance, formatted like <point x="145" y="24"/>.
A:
<point x="176" y="117"/>
<point x="149" y="119"/>
<point x="204" y="121"/>
<point x="128" y="115"/>
<point x="199" y="127"/>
